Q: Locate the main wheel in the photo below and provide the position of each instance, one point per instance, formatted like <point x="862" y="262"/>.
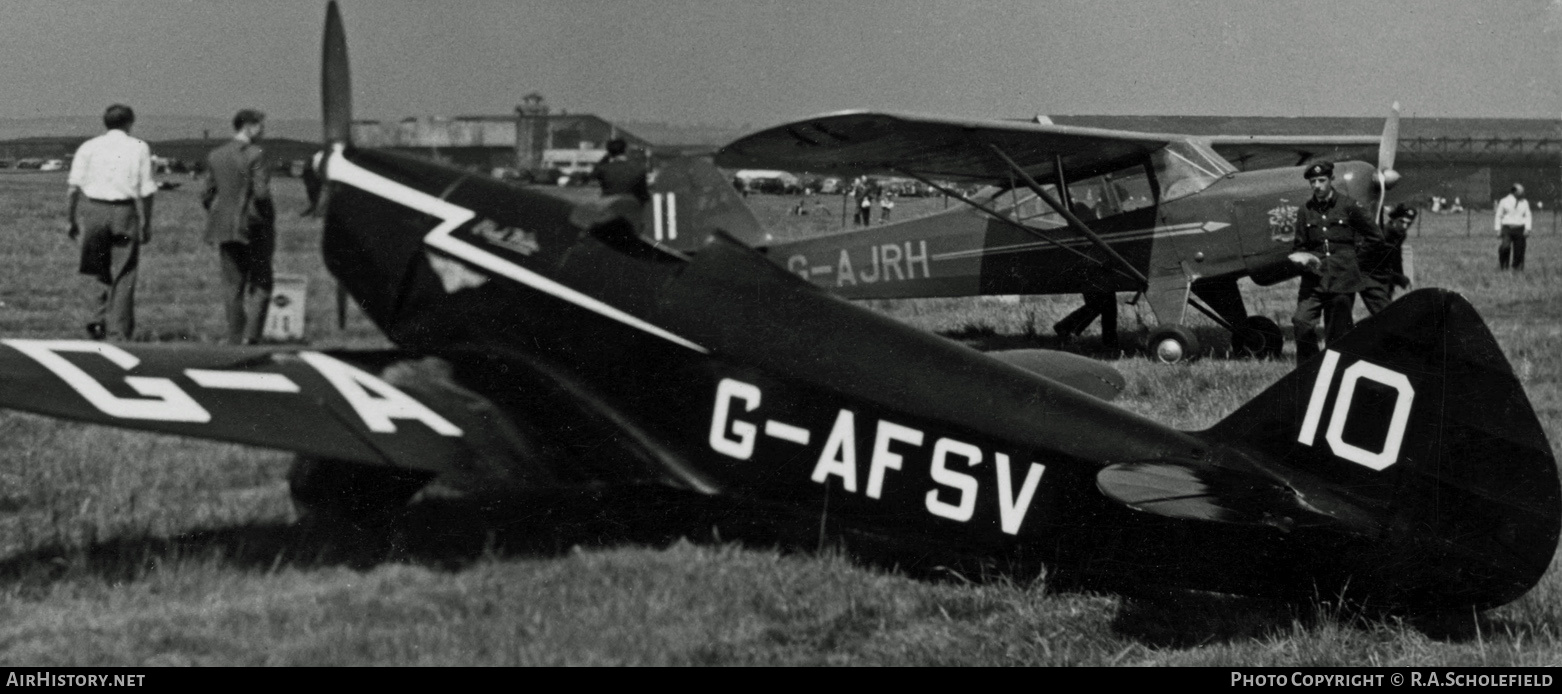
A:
<point x="1258" y="337"/>
<point x="1172" y="343"/>
<point x="364" y="495"/>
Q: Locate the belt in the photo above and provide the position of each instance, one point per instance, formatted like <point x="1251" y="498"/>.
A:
<point x="126" y="201"/>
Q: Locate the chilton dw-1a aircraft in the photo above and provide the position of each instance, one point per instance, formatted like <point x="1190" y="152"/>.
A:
<point x="1403" y="466"/>
<point x="1076" y="210"/>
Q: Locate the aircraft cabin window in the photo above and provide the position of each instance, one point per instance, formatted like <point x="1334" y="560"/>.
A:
<point x="1187" y="167"/>
<point x="1093" y="198"/>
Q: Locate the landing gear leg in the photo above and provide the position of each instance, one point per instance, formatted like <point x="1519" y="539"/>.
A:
<point x="1251" y="336"/>
<point x="1171" y="342"/>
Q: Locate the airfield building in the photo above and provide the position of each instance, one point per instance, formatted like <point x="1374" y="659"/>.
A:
<point x="1473" y="159"/>
<point x="533" y="138"/>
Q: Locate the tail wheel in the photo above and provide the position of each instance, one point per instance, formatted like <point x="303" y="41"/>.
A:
<point x="1258" y="337"/>
<point x="1173" y="344"/>
<point x="354" y="492"/>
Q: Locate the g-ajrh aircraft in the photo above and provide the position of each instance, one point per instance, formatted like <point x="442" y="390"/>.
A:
<point x="1071" y="210"/>
<point x="1403" y="466"/>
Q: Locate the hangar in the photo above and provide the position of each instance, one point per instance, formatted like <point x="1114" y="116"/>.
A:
<point x="1474" y="159"/>
<point x="532" y="138"/>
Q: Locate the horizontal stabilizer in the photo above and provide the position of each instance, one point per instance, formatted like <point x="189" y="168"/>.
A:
<point x="1199" y="491"/>
<point x="1094" y="378"/>
<point x="303" y="401"/>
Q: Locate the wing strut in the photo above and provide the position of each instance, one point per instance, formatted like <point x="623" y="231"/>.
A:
<point x="1073" y="221"/>
<point x="1064" y="196"/>
<point x="962" y="197"/>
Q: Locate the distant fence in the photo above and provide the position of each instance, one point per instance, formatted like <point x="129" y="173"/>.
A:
<point x="1478" y="223"/>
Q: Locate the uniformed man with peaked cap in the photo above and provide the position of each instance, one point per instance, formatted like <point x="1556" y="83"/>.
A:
<point x="1331" y="228"/>
<point x="1385" y="268"/>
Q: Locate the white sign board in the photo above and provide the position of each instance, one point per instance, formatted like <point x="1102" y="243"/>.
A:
<point x="285" y="315"/>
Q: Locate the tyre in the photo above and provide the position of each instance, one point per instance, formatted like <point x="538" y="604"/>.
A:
<point x="1172" y="344"/>
<point x="1258" y="337"/>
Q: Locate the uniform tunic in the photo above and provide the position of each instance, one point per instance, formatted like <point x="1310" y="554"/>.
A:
<point x="1334" y="230"/>
<point x="1385" y="269"/>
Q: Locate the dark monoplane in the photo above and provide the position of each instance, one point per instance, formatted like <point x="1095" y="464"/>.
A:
<point x="1076" y="210"/>
<point x="544" y="344"/>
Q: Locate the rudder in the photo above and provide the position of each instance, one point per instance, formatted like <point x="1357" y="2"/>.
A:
<point x="690" y="199"/>
<point x="1417" y="422"/>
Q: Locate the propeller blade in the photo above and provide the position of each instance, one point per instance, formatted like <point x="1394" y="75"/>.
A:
<point x="336" y="93"/>
<point x="336" y="106"/>
<point x="1389" y="145"/>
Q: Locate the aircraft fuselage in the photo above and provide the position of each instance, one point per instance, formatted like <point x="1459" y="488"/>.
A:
<point x="816" y="410"/>
<point x="1239" y="226"/>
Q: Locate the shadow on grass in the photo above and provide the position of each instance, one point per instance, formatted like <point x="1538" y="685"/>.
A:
<point x="442" y="533"/>
<point x="451" y="533"/>
<point x="1214" y="342"/>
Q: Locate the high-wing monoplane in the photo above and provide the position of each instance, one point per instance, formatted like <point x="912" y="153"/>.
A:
<point x="1070" y="210"/>
<point x="544" y="344"/>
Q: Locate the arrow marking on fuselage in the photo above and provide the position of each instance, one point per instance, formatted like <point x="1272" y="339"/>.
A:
<point x="452" y="216"/>
<point x="1165" y="232"/>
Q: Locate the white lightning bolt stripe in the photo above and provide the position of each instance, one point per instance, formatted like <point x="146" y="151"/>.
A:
<point x="452" y="217"/>
<point x="242" y="380"/>
<point x="1119" y="237"/>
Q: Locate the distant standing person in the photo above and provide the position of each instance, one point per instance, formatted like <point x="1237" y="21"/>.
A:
<point x="1385" y="268"/>
<point x="241" y="223"/>
<point x="313" y="184"/>
<point x="113" y="171"/>
<point x="1331" y="227"/>
<point x="864" y="206"/>
<point x="617" y="175"/>
<point x="1513" y="224"/>
<point x="886" y="205"/>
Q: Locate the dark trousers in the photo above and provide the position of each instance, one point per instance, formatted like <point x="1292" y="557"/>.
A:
<point x="1103" y="304"/>
<point x="1513" y="242"/>
<point x="246" y="287"/>
<point x="111" y="255"/>
<point x="1333" y="308"/>
<point x="1377" y="294"/>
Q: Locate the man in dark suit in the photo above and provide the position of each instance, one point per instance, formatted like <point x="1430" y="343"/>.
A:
<point x="241" y="223"/>
<point x="618" y="175"/>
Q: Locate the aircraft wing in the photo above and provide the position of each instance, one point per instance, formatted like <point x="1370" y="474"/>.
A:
<point x="1250" y="152"/>
<point x="949" y="149"/>
<point x="309" y="402"/>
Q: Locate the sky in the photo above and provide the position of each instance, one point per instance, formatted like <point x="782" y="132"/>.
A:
<point x="759" y="62"/>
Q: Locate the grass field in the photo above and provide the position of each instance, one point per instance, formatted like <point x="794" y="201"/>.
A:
<point x="121" y="548"/>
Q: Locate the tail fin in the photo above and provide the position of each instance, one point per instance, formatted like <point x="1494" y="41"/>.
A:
<point x="1416" y="421"/>
<point x="690" y="199"/>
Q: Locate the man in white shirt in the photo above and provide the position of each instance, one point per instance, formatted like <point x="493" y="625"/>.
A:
<point x="1513" y="224"/>
<point x="113" y="171"/>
